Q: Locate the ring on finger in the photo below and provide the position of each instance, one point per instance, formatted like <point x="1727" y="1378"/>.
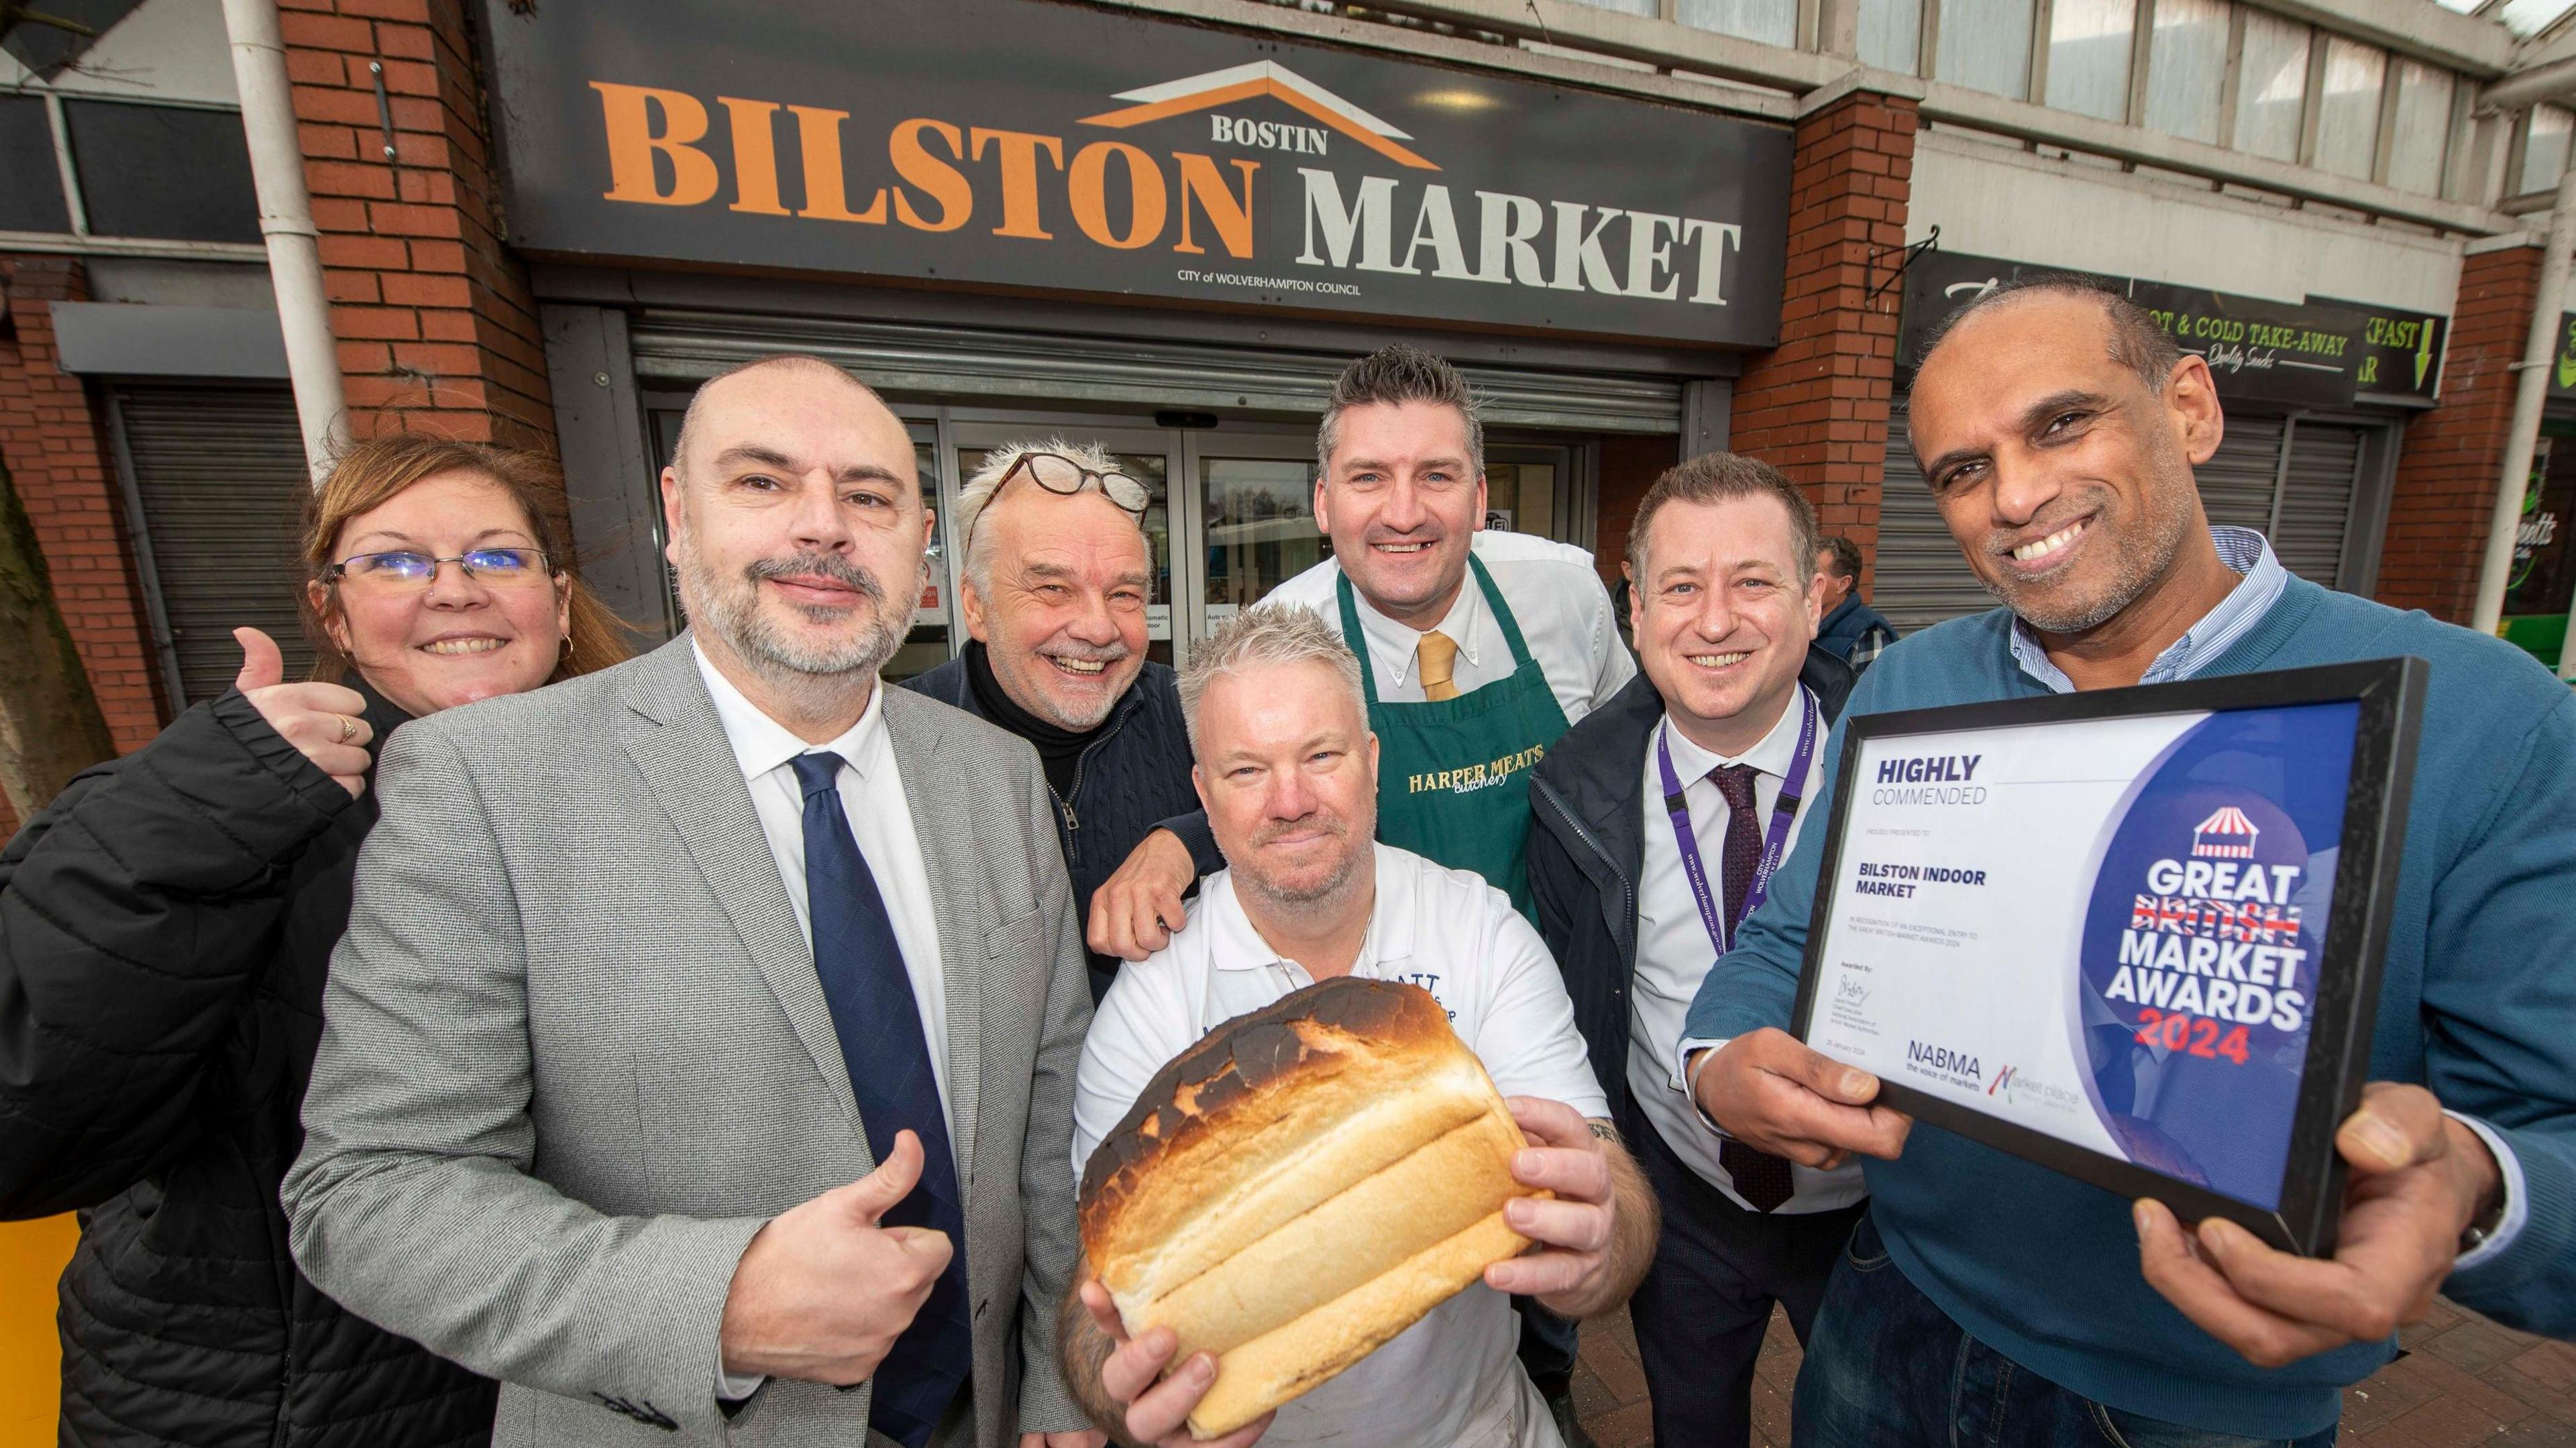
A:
<point x="348" y="728"/>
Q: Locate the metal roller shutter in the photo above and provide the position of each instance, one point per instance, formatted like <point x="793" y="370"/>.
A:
<point x="2236" y="484"/>
<point x="1921" y="578"/>
<point x="2316" y="500"/>
<point x="958" y="362"/>
<point x="219" y="473"/>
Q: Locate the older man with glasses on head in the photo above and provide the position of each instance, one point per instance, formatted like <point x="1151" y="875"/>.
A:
<point x="1057" y="579"/>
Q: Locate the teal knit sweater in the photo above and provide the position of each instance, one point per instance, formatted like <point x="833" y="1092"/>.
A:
<point x="2477" y="1002"/>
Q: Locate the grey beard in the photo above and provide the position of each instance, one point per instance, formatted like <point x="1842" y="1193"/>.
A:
<point x="732" y="613"/>
<point x="1043" y="704"/>
<point x="1304" y="901"/>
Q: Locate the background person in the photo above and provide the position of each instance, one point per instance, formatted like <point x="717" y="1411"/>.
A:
<point x="165" y="926"/>
<point x="703" y="1039"/>
<point x="1729" y="715"/>
<point x="2058" y="429"/>
<point x="1287" y="768"/>
<point x="1852" y="631"/>
<point x="1057" y="578"/>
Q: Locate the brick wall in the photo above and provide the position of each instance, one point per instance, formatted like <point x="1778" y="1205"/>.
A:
<point x="1629" y="466"/>
<point x="437" y="330"/>
<point x="58" y="458"/>
<point x="2444" y="496"/>
<point x="1816" y="406"/>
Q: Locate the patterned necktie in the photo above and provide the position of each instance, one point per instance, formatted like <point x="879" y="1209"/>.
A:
<point x="1438" y="654"/>
<point x="887" y="1053"/>
<point x="1762" y="1179"/>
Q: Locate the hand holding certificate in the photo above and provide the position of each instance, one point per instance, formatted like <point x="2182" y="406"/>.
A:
<point x="2134" y="937"/>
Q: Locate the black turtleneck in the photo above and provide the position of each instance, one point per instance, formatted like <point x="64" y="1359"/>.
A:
<point x="1059" y="749"/>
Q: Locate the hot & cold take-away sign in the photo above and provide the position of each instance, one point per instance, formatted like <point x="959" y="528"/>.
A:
<point x="1044" y="146"/>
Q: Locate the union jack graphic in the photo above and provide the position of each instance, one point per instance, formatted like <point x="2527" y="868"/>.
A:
<point x="2226" y="835"/>
<point x="2173" y="914"/>
<point x="2262" y="924"/>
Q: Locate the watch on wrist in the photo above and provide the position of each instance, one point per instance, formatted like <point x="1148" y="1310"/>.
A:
<point x="2489" y="1221"/>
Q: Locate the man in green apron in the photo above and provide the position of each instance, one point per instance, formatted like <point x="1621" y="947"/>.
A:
<point x="1478" y="648"/>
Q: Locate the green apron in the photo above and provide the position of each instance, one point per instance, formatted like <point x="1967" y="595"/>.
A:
<point x="1453" y="776"/>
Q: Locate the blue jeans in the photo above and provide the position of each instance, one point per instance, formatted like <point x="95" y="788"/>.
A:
<point x="1887" y="1368"/>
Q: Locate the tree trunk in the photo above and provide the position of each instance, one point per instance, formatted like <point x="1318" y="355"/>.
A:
<point x="50" y="727"/>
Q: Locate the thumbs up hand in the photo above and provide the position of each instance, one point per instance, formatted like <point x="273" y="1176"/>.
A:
<point x="325" y="721"/>
<point x="823" y="1291"/>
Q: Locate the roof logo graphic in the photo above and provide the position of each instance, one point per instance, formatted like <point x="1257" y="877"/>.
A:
<point x="1260" y="78"/>
<point x="2226" y="835"/>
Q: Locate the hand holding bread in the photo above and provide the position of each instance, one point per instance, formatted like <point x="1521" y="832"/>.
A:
<point x="1296" y="1189"/>
<point x="1158" y="1406"/>
<point x="1574" y="1219"/>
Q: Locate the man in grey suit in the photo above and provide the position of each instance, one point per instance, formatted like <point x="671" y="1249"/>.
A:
<point x="699" y="1061"/>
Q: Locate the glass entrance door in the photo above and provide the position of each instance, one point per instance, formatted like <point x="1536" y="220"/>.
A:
<point x="1255" y="517"/>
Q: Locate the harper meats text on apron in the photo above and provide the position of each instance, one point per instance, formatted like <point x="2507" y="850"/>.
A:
<point x="1453" y="776"/>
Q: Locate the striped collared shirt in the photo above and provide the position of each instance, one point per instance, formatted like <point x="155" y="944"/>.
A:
<point x="2245" y="552"/>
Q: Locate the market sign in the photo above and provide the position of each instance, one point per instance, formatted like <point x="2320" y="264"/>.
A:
<point x="1033" y="145"/>
<point x="2317" y="353"/>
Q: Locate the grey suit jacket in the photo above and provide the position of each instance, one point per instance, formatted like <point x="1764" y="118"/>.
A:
<point x="577" y="1054"/>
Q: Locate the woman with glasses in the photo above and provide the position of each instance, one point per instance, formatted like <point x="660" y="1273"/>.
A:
<point x="165" y="926"/>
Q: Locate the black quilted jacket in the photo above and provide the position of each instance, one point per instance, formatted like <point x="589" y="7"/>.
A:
<point x="1134" y="779"/>
<point x="164" y="929"/>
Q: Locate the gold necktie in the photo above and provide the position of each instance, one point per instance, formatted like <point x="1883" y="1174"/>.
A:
<point x="1438" y="654"/>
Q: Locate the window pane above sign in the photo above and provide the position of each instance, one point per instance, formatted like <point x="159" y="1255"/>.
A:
<point x="31" y="186"/>
<point x="2088" y="56"/>
<point x="2544" y="148"/>
<point x="2423" y="127"/>
<point x="2273" y="86"/>
<point x="2348" y="110"/>
<point x="1891" y="35"/>
<point x="165" y="172"/>
<point x="1052" y="147"/>
<point x="1985" y="45"/>
<point x="2187" y="68"/>
<point x="1773" y="22"/>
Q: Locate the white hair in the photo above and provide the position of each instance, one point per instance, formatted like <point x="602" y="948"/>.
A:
<point x="1262" y="636"/>
<point x="977" y="495"/>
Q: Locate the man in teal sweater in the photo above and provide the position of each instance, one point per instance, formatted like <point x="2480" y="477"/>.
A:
<point x="1988" y="1300"/>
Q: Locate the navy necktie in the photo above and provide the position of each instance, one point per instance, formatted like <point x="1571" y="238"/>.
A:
<point x="887" y="1053"/>
<point x="1761" y="1178"/>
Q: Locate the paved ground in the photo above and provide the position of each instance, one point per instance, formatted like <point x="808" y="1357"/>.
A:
<point x="2463" y="1381"/>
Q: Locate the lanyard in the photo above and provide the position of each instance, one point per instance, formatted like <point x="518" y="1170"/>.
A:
<point x="1774" y="842"/>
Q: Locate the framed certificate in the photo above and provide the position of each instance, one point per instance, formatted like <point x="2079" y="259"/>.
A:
<point x="2131" y="934"/>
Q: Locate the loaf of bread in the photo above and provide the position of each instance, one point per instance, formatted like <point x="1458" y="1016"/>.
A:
<point x="1300" y="1186"/>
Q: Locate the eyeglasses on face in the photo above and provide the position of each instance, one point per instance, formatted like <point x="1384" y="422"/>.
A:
<point x="408" y="568"/>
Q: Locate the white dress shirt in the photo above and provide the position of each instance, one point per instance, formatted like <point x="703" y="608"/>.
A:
<point x="1555" y="597"/>
<point x="1450" y="1378"/>
<point x="880" y="820"/>
<point x="1674" y="953"/>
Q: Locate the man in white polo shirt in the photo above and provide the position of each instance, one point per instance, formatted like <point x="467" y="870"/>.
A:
<point x="1288" y="770"/>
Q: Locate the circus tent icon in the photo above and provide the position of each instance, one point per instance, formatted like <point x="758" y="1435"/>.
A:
<point x="2226" y="835"/>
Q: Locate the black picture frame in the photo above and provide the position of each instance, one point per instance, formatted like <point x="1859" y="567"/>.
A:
<point x="2391" y="695"/>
